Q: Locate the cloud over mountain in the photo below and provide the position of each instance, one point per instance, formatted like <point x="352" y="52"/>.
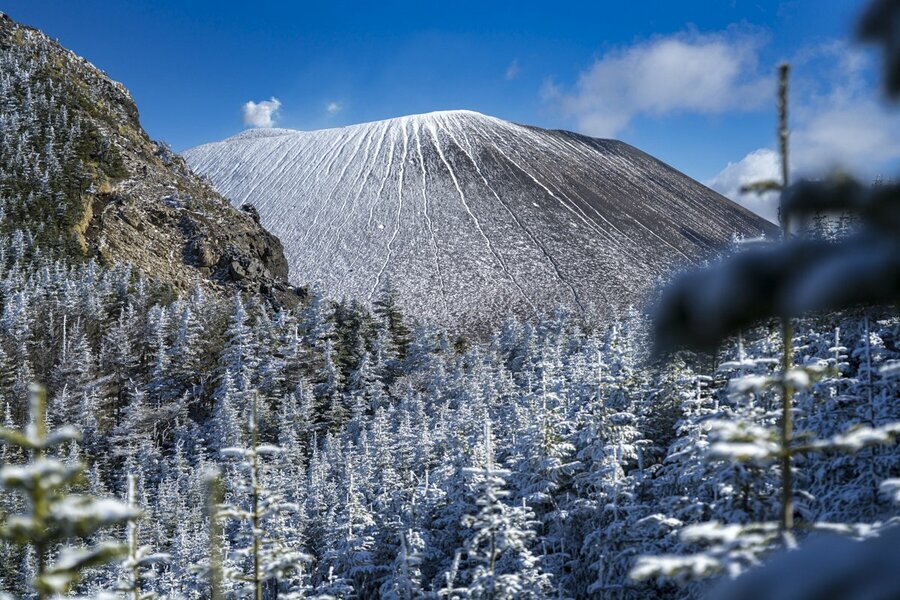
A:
<point x="685" y="72"/>
<point x="837" y="121"/>
<point x="261" y="114"/>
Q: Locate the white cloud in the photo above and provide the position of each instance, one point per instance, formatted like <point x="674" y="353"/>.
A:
<point x="759" y="165"/>
<point x="838" y="118"/>
<point x="860" y="137"/>
<point x="333" y="107"/>
<point x="837" y="122"/>
<point x="512" y="71"/>
<point x="688" y="72"/>
<point x="261" y="114"/>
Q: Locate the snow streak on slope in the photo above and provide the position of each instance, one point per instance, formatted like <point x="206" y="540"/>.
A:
<point x="471" y="217"/>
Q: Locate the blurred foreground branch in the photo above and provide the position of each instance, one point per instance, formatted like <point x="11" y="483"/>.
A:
<point x="802" y="275"/>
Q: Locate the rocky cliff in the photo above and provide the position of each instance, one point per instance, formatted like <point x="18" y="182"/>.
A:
<point x="78" y="172"/>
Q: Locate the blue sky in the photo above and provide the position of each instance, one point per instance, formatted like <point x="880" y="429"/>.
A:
<point x="687" y="81"/>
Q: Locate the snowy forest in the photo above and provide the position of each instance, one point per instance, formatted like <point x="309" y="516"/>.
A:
<point x="210" y="445"/>
<point x="360" y="458"/>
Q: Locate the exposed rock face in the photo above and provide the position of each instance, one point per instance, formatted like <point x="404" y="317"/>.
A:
<point x="471" y="217"/>
<point x="107" y="190"/>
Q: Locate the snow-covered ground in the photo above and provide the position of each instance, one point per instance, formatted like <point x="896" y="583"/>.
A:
<point x="471" y="217"/>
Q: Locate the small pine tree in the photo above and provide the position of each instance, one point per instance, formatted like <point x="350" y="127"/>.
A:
<point x="53" y="516"/>
<point x="139" y="557"/>
<point x="503" y="565"/>
<point x="257" y="510"/>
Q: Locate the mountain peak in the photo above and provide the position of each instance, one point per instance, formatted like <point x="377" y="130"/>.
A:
<point x="438" y="117"/>
<point x="435" y="114"/>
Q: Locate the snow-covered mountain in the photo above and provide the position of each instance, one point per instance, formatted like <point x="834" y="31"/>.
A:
<point x="470" y="217"/>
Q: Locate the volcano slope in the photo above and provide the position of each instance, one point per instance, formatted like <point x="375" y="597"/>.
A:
<point x="470" y="217"/>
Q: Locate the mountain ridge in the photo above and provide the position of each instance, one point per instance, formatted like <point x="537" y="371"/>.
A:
<point x="79" y="173"/>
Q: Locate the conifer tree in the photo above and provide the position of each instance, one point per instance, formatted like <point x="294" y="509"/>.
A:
<point x="138" y="557"/>
<point x="497" y="550"/>
<point x="387" y="310"/>
<point x="53" y="516"/>
<point x="256" y="507"/>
